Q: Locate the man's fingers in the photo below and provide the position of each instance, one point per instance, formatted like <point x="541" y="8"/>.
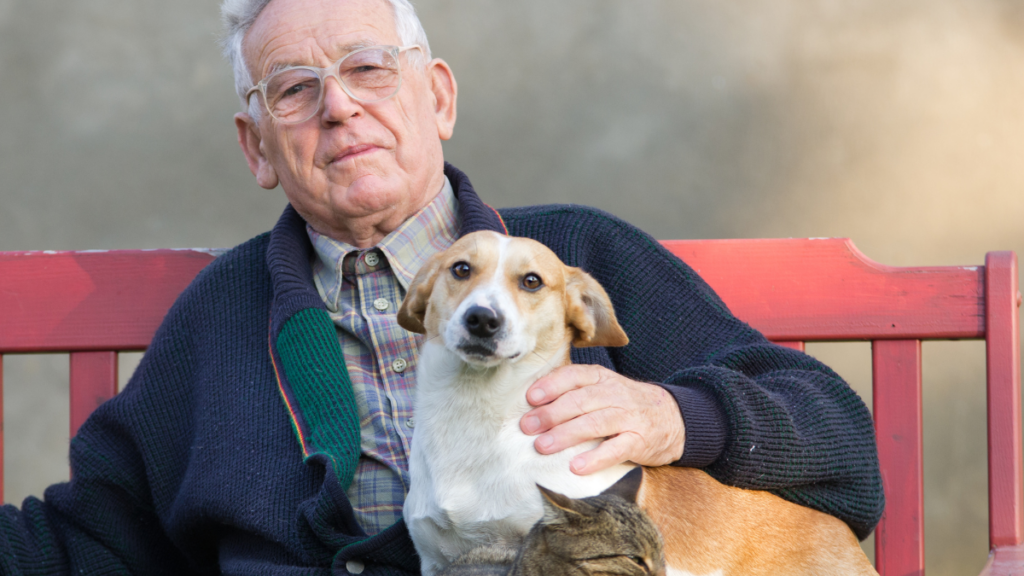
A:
<point x="588" y="426"/>
<point x="641" y="421"/>
<point x="612" y="451"/>
<point x="574" y="404"/>
<point x="560" y="381"/>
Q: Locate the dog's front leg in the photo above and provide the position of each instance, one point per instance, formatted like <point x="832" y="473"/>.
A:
<point x="437" y="545"/>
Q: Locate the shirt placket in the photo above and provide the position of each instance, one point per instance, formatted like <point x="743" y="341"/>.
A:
<point x="395" y="363"/>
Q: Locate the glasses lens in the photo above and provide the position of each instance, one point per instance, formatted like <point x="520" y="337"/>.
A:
<point x="293" y="95"/>
<point x="370" y="74"/>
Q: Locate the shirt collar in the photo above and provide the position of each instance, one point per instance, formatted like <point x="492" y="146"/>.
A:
<point x="406" y="249"/>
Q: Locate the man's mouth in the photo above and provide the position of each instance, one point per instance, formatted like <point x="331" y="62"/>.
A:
<point x="354" y="152"/>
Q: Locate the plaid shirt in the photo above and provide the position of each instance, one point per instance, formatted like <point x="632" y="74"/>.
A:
<point x="362" y="290"/>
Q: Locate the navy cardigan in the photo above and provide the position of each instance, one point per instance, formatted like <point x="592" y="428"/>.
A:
<point x="231" y="448"/>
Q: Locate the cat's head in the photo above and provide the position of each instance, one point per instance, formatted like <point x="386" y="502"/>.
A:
<point x="604" y="534"/>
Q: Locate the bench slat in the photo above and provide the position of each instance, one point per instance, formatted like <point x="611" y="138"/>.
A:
<point x="71" y="301"/>
<point x="1008" y="561"/>
<point x="896" y="390"/>
<point x="825" y="289"/>
<point x="1006" y="469"/>
<point x="93" y="382"/>
<point x="2" y="429"/>
<point x="795" y="345"/>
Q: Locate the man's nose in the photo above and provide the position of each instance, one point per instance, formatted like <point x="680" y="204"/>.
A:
<point x="338" y="106"/>
<point x="483" y="322"/>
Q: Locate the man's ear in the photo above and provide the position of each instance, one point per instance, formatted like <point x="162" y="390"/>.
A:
<point x="413" y="310"/>
<point x="446" y="92"/>
<point x="251" y="142"/>
<point x="589" y="310"/>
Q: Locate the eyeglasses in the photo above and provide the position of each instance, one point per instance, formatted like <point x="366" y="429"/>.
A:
<point x="368" y="75"/>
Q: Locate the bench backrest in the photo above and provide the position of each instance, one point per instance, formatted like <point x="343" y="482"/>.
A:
<point x="95" y="304"/>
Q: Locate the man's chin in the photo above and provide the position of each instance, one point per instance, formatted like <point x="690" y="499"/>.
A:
<point x="365" y="194"/>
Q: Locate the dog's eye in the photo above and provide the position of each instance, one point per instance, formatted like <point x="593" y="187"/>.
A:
<point x="532" y="282"/>
<point x="460" y="270"/>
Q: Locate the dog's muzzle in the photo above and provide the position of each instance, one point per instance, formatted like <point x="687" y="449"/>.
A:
<point x="483" y="325"/>
<point x="483" y="322"/>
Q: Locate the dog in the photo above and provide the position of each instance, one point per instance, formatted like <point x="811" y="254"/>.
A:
<point x="501" y="312"/>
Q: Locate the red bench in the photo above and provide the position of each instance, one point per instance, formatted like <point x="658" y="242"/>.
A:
<point x="95" y="304"/>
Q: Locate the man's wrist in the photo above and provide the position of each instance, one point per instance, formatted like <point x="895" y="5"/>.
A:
<point x="704" y="424"/>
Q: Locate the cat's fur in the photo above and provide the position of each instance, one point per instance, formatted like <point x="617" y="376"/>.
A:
<point x="604" y="534"/>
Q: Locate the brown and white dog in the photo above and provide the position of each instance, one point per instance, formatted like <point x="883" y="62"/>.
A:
<point x="501" y="312"/>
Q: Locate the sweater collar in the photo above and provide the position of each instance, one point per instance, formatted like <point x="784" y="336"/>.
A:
<point x="474" y="214"/>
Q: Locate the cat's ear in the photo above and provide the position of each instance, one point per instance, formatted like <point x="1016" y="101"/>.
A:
<point x="628" y="486"/>
<point x="559" y="509"/>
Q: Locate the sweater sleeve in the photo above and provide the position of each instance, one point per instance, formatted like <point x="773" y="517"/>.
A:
<point x="99" y="523"/>
<point x="757" y="415"/>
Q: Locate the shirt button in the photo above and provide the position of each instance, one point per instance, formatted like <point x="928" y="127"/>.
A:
<point x="411" y="423"/>
<point x="381" y="304"/>
<point x="371" y="259"/>
<point x="399" y="365"/>
<point x="354" y="566"/>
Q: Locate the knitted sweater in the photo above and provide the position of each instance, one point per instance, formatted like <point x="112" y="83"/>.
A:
<point x="230" y="449"/>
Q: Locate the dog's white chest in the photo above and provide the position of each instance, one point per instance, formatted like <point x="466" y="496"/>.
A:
<point x="475" y="473"/>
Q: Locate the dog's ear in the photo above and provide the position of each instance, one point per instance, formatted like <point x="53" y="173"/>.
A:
<point x="414" y="307"/>
<point x="589" y="311"/>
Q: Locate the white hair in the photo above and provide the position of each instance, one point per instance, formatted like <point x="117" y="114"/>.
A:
<point x="237" y="17"/>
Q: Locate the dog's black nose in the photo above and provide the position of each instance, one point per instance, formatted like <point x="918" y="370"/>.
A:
<point x="483" y="322"/>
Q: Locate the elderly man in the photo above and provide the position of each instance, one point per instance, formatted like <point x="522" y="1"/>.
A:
<point x="267" y="429"/>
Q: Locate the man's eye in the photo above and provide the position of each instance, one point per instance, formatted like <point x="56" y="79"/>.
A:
<point x="294" y="90"/>
<point x="460" y="270"/>
<point x="532" y="282"/>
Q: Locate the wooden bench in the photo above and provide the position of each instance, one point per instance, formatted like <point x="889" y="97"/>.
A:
<point x="96" y="304"/>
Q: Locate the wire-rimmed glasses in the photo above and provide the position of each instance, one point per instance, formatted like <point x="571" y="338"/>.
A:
<point x="294" y="94"/>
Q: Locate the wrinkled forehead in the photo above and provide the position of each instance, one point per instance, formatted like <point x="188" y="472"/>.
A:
<point x="315" y="32"/>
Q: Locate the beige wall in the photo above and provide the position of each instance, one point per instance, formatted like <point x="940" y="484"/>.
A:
<point x="898" y="124"/>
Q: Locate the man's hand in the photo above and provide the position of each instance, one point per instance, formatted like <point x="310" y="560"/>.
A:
<point x="577" y="403"/>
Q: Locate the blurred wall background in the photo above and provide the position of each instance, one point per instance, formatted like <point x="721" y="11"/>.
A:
<point x="898" y="124"/>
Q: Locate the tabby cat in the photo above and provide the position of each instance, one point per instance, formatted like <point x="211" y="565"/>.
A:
<point x="601" y="535"/>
